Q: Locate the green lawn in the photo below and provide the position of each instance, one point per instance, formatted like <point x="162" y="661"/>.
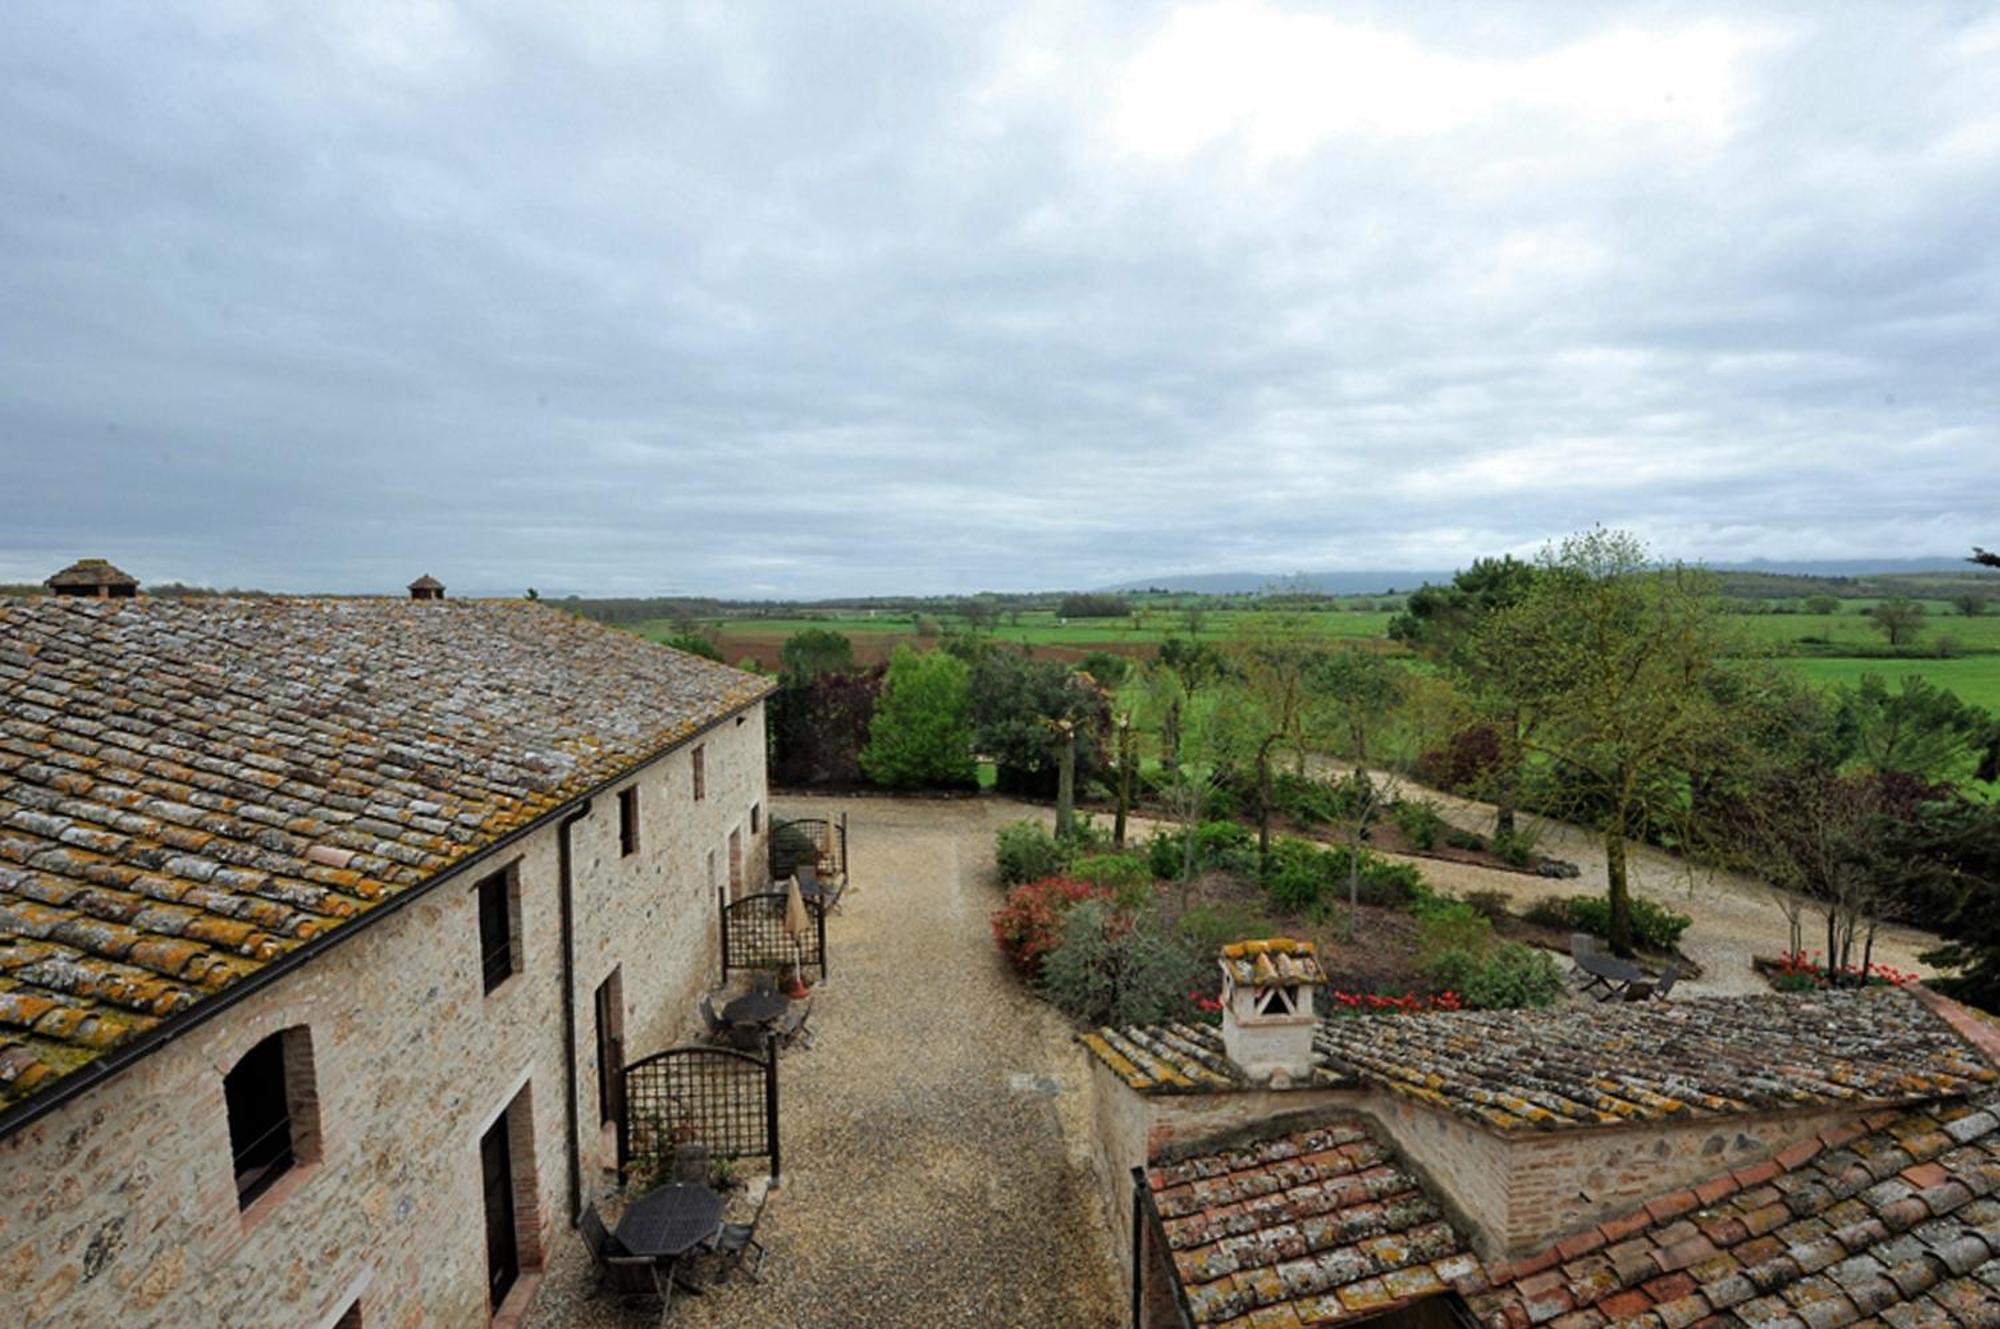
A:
<point x="1975" y="678"/>
<point x="1850" y="628"/>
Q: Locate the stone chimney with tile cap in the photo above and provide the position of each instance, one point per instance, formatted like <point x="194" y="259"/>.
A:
<point x="94" y="578"/>
<point x="1267" y="1008"/>
<point x="427" y="587"/>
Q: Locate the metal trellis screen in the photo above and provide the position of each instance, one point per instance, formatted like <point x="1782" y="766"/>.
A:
<point x="816" y="842"/>
<point x="720" y="1099"/>
<point x="754" y="936"/>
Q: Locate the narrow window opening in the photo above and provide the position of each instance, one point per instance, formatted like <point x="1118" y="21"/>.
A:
<point x="628" y="822"/>
<point x="756" y="810"/>
<point x="700" y="775"/>
<point x="499" y="929"/>
<point x="610" y="1046"/>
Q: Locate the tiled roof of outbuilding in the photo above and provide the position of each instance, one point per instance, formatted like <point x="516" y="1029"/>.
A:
<point x="1893" y="1221"/>
<point x="1712" y="1056"/>
<point x="192" y="789"/>
<point x="1310" y="1227"/>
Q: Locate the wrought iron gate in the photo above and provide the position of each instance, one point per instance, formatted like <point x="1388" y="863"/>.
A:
<point x="754" y="936"/>
<point x="816" y="842"/>
<point x="721" y="1099"/>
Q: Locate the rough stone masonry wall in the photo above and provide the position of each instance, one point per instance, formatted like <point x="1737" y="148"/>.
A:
<point x="1523" y="1192"/>
<point x="120" y="1207"/>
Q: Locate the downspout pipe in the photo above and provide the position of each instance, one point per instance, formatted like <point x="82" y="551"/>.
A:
<point x="566" y="887"/>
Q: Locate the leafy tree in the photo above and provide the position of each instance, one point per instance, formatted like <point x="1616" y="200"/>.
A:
<point x="1093" y="606"/>
<point x="815" y="651"/>
<point x="1957" y="851"/>
<point x="921" y="734"/>
<point x="1444" y="623"/>
<point x="1617" y="663"/>
<point x="1269" y="704"/>
<point x="981" y="614"/>
<point x="819" y="725"/>
<point x="1354" y="693"/>
<point x="1970" y="605"/>
<point x="1183" y="669"/>
<point x="1900" y="620"/>
<point x="1984" y="558"/>
<point x="695" y="644"/>
<point x="1920" y="728"/>
<point x="1019" y="706"/>
<point x="1822" y="604"/>
<point x="1108" y="669"/>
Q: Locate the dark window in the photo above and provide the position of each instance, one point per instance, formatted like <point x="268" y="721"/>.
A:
<point x="496" y="1177"/>
<point x="628" y="821"/>
<point x="754" y="808"/>
<point x="700" y="777"/>
<point x="496" y="930"/>
<point x="260" y="1119"/>
<point x="610" y="1045"/>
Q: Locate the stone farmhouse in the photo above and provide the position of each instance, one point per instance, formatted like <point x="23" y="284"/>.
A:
<point x="1809" y="1161"/>
<point x="321" y="924"/>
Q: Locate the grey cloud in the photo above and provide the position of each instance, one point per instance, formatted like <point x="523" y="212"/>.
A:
<point x="813" y="300"/>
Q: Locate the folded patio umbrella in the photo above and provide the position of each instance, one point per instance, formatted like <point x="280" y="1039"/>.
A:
<point x="795" y="911"/>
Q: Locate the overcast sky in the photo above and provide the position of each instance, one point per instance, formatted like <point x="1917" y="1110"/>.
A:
<point x="809" y="299"/>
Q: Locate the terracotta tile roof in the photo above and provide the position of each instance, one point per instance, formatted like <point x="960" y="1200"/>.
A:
<point x="1183" y="1059"/>
<point x="1310" y="1227"/>
<point x="1597" y="1064"/>
<point x="1270" y="961"/>
<point x="192" y="789"/>
<point x="1892" y="1221"/>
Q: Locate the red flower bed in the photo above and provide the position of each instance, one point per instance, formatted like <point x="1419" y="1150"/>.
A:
<point x="1030" y="924"/>
<point x="1376" y="1003"/>
<point x="1800" y="972"/>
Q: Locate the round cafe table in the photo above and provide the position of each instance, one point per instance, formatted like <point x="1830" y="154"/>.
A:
<point x="756" y="1008"/>
<point x="669" y="1222"/>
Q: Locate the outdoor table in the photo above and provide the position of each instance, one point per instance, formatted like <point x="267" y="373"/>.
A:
<point x="667" y="1223"/>
<point x="756" y="1008"/>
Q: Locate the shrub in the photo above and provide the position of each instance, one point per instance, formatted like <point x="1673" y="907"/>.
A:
<point x="1220" y="803"/>
<point x="1352" y="795"/>
<point x="1454" y="926"/>
<point x="1463" y="764"/>
<point x="1490" y="905"/>
<point x="1654" y="926"/>
<point x="1458" y="839"/>
<point x="1126" y="878"/>
<point x="1303" y="799"/>
<point x="1206" y="929"/>
<point x="1030" y="924"/>
<point x="1164" y="854"/>
<point x="1113" y="969"/>
<point x="1517" y="847"/>
<point x="1302" y="874"/>
<point x="1512" y="975"/>
<point x="1419" y="821"/>
<point x="1025" y="851"/>
<point x="1221" y="844"/>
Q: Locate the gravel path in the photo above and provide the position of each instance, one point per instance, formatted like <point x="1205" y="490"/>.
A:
<point x="936" y="1137"/>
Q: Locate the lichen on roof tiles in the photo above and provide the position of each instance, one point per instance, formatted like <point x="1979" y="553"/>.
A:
<point x="1324" y="1221"/>
<point x="192" y="789"/>
<point x="1714" y="1056"/>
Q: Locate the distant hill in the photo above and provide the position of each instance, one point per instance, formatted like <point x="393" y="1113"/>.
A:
<point x="1381" y="582"/>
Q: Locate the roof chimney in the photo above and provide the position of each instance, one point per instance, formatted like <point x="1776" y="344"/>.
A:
<point x="427" y="587"/>
<point x="1267" y="1009"/>
<point x="93" y="577"/>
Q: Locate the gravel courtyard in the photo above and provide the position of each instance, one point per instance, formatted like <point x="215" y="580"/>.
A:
<point x="936" y="1138"/>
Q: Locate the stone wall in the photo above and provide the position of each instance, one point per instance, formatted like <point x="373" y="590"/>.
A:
<point x="1521" y="1192"/>
<point x="120" y="1206"/>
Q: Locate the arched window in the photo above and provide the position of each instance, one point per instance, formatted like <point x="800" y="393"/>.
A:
<point x="273" y="1112"/>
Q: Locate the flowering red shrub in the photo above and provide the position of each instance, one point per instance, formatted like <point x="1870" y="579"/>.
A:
<point x="1030" y="924"/>
<point x="1800" y="972"/>
<point x="1376" y="1003"/>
